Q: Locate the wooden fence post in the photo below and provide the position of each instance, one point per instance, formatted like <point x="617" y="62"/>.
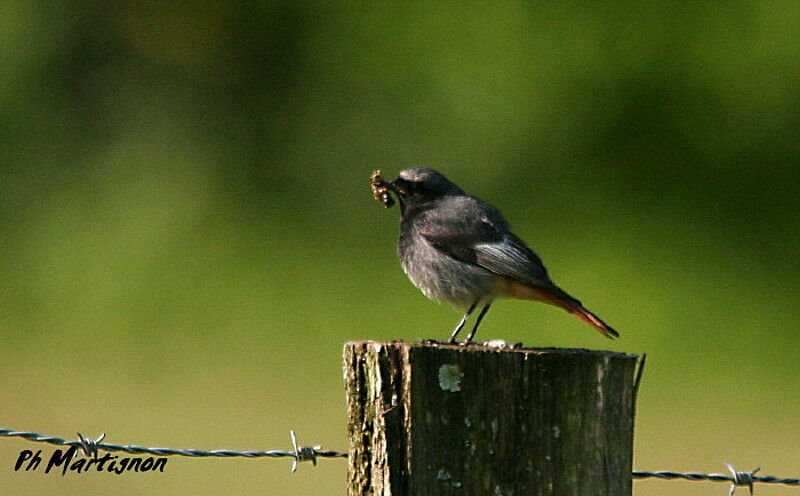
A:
<point x="427" y="419"/>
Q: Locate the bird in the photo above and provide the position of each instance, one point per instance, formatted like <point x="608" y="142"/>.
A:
<point x="458" y="249"/>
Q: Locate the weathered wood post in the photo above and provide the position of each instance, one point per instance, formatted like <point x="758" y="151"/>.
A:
<point x="428" y="419"/>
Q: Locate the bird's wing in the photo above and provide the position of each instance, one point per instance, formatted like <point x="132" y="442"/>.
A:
<point x="484" y="243"/>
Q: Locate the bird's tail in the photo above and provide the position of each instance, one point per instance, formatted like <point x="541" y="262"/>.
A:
<point x="553" y="295"/>
<point x="577" y="309"/>
<point x="594" y="321"/>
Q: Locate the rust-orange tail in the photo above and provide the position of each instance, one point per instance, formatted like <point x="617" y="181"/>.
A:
<point x="562" y="299"/>
<point x="593" y="320"/>
<point x="554" y="296"/>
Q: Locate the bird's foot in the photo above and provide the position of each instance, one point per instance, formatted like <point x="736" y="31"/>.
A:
<point x="500" y="344"/>
<point x="435" y="341"/>
<point x="490" y="343"/>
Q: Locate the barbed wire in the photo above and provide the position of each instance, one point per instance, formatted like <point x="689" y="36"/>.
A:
<point x="736" y="478"/>
<point x="90" y="447"/>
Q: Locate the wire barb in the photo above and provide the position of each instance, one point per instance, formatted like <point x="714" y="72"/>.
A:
<point x="90" y="446"/>
<point x="741" y="478"/>
<point x="302" y="454"/>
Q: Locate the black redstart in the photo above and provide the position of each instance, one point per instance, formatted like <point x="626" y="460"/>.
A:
<point x="458" y="249"/>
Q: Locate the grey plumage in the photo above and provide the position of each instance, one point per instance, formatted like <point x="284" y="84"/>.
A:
<point x="458" y="249"/>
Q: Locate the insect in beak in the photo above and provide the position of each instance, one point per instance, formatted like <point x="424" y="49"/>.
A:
<point x="381" y="189"/>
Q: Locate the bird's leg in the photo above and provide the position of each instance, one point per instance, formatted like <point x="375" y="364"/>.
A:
<point x="461" y="324"/>
<point x="477" y="323"/>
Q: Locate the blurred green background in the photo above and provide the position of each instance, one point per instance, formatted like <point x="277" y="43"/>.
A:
<point x="188" y="237"/>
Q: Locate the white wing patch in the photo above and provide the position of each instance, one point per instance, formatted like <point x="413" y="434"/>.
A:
<point x="503" y="250"/>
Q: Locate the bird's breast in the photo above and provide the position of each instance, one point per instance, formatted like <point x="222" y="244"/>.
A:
<point x="440" y="277"/>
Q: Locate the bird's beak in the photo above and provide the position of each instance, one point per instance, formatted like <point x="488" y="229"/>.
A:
<point x="401" y="193"/>
<point x="397" y="188"/>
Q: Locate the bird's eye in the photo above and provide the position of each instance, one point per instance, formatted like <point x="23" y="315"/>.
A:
<point x="406" y="186"/>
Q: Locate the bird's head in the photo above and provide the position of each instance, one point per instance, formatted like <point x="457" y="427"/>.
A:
<point x="420" y="185"/>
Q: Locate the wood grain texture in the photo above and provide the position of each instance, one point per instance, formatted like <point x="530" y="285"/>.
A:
<point x="452" y="420"/>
